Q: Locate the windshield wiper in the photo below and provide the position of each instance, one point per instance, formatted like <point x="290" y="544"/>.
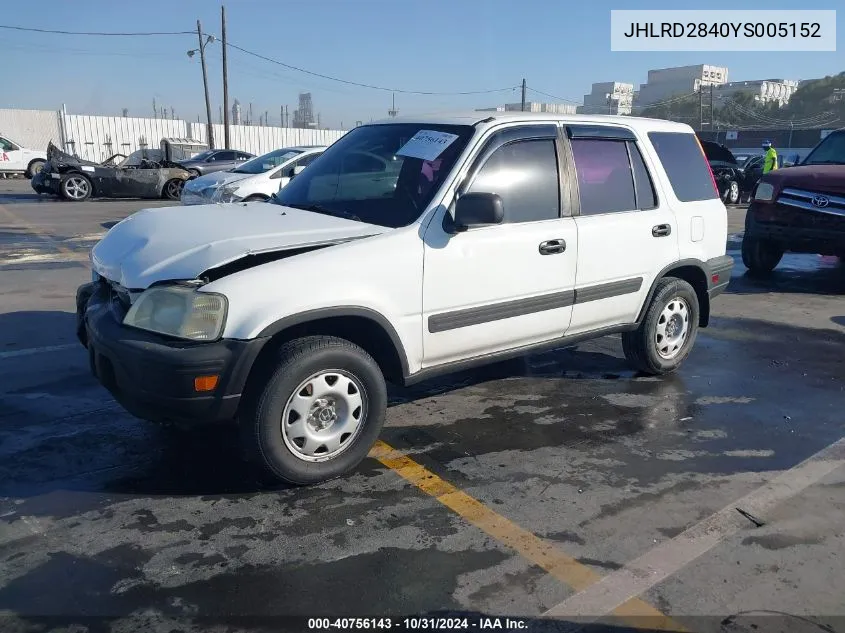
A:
<point x="317" y="208"/>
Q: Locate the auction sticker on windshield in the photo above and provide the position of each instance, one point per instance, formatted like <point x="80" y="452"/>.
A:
<point x="427" y="144"/>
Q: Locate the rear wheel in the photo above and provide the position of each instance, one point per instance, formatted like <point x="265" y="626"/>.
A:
<point x="173" y="189"/>
<point x="34" y="167"/>
<point x="760" y="256"/>
<point x="667" y="333"/>
<point x="732" y="193"/>
<point x="75" y="187"/>
<point x="314" y="414"/>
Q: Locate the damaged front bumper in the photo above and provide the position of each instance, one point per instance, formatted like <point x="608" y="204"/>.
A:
<point x="153" y="376"/>
<point x="46" y="182"/>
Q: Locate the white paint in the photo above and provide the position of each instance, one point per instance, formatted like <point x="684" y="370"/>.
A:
<point x="696" y="229"/>
<point x="18" y="353"/>
<point x="158" y="244"/>
<point x="667" y="559"/>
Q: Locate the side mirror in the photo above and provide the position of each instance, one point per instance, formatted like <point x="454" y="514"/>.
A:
<point x="478" y="209"/>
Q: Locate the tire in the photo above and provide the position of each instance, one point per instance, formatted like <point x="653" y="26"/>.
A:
<point x="350" y="380"/>
<point x="256" y="197"/>
<point x="75" y="187"/>
<point x="760" y="256"/>
<point x="732" y="193"/>
<point x="34" y="167"/>
<point x="649" y="349"/>
<point x="173" y="189"/>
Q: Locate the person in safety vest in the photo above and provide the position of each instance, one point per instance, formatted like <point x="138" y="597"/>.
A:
<point x="770" y="161"/>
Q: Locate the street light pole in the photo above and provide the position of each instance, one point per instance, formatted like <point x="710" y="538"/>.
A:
<point x="225" y="80"/>
<point x="205" y="85"/>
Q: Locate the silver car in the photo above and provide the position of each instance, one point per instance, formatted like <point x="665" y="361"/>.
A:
<point x="212" y="160"/>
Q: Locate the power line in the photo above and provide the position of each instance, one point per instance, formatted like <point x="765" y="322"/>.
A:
<point x="363" y="85"/>
<point x="98" y="33"/>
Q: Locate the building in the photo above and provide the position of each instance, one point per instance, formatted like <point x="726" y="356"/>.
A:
<point x="665" y="83"/>
<point x="303" y="117"/>
<point x="608" y="97"/>
<point x="763" y="90"/>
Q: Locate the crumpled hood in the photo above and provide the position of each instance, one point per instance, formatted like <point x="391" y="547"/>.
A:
<point x="820" y="178"/>
<point x="174" y="243"/>
<point x="214" y="179"/>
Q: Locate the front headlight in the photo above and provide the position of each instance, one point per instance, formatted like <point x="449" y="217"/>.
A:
<point x="179" y="311"/>
<point x="226" y="194"/>
<point x="765" y="192"/>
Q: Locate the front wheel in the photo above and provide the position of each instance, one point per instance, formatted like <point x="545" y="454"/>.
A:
<point x="318" y="411"/>
<point x="760" y="257"/>
<point x="75" y="187"/>
<point x="667" y="333"/>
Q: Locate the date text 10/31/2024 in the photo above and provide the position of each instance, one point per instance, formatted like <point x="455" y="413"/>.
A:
<point x="417" y="624"/>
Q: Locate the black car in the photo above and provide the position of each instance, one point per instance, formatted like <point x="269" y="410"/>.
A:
<point x="212" y="160"/>
<point x="137" y="176"/>
<point x="733" y="182"/>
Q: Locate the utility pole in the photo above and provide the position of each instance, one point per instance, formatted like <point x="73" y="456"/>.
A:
<point x="155" y="109"/>
<point x="249" y="122"/>
<point x="266" y="118"/>
<point x="225" y="81"/>
<point x="205" y="86"/>
<point x="711" y="107"/>
<point x="700" y="108"/>
<point x="523" y="94"/>
<point x="287" y="117"/>
<point x="281" y="116"/>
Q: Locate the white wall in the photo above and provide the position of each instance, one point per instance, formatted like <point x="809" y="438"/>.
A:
<point x="88" y="136"/>
<point x="98" y="137"/>
<point x="33" y="129"/>
<point x="260" y="140"/>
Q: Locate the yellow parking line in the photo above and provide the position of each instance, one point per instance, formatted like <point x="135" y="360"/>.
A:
<point x="540" y="552"/>
<point x="35" y="231"/>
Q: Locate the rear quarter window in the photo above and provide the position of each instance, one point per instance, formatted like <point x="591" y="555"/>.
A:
<point x="685" y="165"/>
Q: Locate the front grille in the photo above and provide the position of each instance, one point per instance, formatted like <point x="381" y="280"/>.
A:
<point x="795" y="208"/>
<point x="816" y="201"/>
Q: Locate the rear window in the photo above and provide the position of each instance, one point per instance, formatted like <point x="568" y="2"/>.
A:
<point x="685" y="165"/>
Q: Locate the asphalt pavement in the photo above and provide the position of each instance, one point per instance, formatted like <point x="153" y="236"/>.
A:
<point x="560" y="485"/>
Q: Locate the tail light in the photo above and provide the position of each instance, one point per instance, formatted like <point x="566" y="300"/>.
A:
<point x="710" y="169"/>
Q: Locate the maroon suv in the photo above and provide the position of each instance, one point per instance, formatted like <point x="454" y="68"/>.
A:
<point x="799" y="209"/>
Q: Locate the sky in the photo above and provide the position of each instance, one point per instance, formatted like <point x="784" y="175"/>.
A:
<point x="559" y="47"/>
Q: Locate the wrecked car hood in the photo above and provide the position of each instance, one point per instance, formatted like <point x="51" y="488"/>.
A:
<point x="174" y="243"/>
<point x="215" y="179"/>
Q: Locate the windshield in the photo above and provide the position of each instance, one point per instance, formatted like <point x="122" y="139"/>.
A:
<point x="135" y="158"/>
<point x="202" y="155"/>
<point x="260" y="164"/>
<point x="374" y="175"/>
<point x="831" y="151"/>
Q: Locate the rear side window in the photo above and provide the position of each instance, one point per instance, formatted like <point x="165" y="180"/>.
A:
<point x="685" y="165"/>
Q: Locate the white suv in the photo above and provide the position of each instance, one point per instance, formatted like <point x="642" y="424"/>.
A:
<point x="468" y="240"/>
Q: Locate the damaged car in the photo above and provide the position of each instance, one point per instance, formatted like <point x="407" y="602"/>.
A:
<point x="730" y="177"/>
<point x="142" y="174"/>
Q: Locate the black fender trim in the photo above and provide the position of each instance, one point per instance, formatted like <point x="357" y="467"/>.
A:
<point x="681" y="263"/>
<point x="341" y="311"/>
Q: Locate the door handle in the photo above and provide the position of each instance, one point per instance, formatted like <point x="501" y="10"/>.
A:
<point x="551" y="247"/>
<point x="661" y="230"/>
